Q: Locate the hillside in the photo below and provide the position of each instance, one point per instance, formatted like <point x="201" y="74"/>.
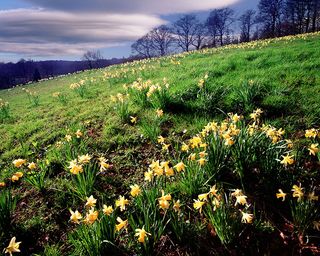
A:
<point x="239" y="123"/>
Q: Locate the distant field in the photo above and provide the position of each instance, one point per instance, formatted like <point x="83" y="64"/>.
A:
<point x="279" y="76"/>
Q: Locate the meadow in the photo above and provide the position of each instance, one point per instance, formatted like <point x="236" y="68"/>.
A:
<point x="211" y="152"/>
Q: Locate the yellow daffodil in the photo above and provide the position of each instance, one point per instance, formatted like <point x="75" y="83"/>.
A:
<point x="19" y="162"/>
<point x="159" y="112"/>
<point x="75" y="216"/>
<point x="198" y="205"/>
<point x="107" y="210"/>
<point x="78" y="134"/>
<point x="213" y="191"/>
<point x="241" y="200"/>
<point x="141" y="234"/>
<point x="32" y="166"/>
<point x="311" y="133"/>
<point x="160" y="139"/>
<point x="165" y="197"/>
<point x="133" y="119"/>
<point x="184" y="147"/>
<point x="203" y="197"/>
<point x="313" y="197"/>
<point x="180" y="167"/>
<point x="148" y="175"/>
<point x="75" y="168"/>
<point x="92" y="216"/>
<point x="2" y="184"/>
<point x="135" y="190"/>
<point x="169" y="172"/>
<point x="237" y="192"/>
<point x="287" y="160"/>
<point x="68" y="138"/>
<point x="176" y="206"/>
<point x="192" y="157"/>
<point x="91" y="201"/>
<point x="13" y="246"/>
<point x="246" y="217"/>
<point x="84" y="159"/>
<point x="281" y="194"/>
<point x="297" y="192"/>
<point x="122" y="202"/>
<point x="122" y="224"/>
<point x="14" y="178"/>
<point x="19" y="174"/>
<point x="313" y="150"/>
<point x="202" y="161"/>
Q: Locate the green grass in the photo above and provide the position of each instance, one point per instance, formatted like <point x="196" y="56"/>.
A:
<point x="280" y="76"/>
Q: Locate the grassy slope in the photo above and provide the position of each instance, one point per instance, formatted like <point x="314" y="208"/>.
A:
<point x="286" y="86"/>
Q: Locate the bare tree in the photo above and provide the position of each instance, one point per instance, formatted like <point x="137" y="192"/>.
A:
<point x="247" y="20"/>
<point x="199" y="36"/>
<point x="185" y="31"/>
<point x="144" y="46"/>
<point x="270" y="13"/>
<point x="92" y="57"/>
<point x="218" y="24"/>
<point x="162" y="39"/>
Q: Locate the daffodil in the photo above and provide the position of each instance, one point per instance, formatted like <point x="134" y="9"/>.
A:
<point x="176" y="206"/>
<point x="237" y="192"/>
<point x="19" y="162"/>
<point x="92" y="216"/>
<point x="122" y="224"/>
<point x="107" y="210"/>
<point x="91" y="201"/>
<point x="68" y="138"/>
<point x="14" y="178"/>
<point x="148" y="175"/>
<point x="78" y="134"/>
<point x="19" y="174"/>
<point x="313" y="150"/>
<point x="122" y="202"/>
<point x="202" y="161"/>
<point x="213" y="190"/>
<point x="75" y="216"/>
<point x="160" y="139"/>
<point x="135" y="190"/>
<point x="32" y="166"/>
<point x="2" y="184"/>
<point x="246" y="217"/>
<point x="287" y="160"/>
<point x="311" y="133"/>
<point x="180" y="167"/>
<point x="281" y="194"/>
<point x="141" y="234"/>
<point x="13" y="246"/>
<point x="84" y="159"/>
<point x="198" y="205"/>
<point x="133" y="119"/>
<point x="184" y="147"/>
<point x="75" y="168"/>
<point x="297" y="192"/>
<point x="203" y="197"/>
<point x="192" y="157"/>
<point x="159" y="112"/>
<point x="241" y="199"/>
<point x="313" y="197"/>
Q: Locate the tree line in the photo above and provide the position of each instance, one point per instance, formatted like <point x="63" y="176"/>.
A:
<point x="273" y="18"/>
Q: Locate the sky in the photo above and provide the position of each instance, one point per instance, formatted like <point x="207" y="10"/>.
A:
<point x="66" y="29"/>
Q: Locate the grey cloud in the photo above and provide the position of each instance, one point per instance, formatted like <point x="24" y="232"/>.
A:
<point x="45" y="32"/>
<point x="134" y="6"/>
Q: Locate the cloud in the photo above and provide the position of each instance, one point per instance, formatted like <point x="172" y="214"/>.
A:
<point x="134" y="6"/>
<point x="49" y="32"/>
